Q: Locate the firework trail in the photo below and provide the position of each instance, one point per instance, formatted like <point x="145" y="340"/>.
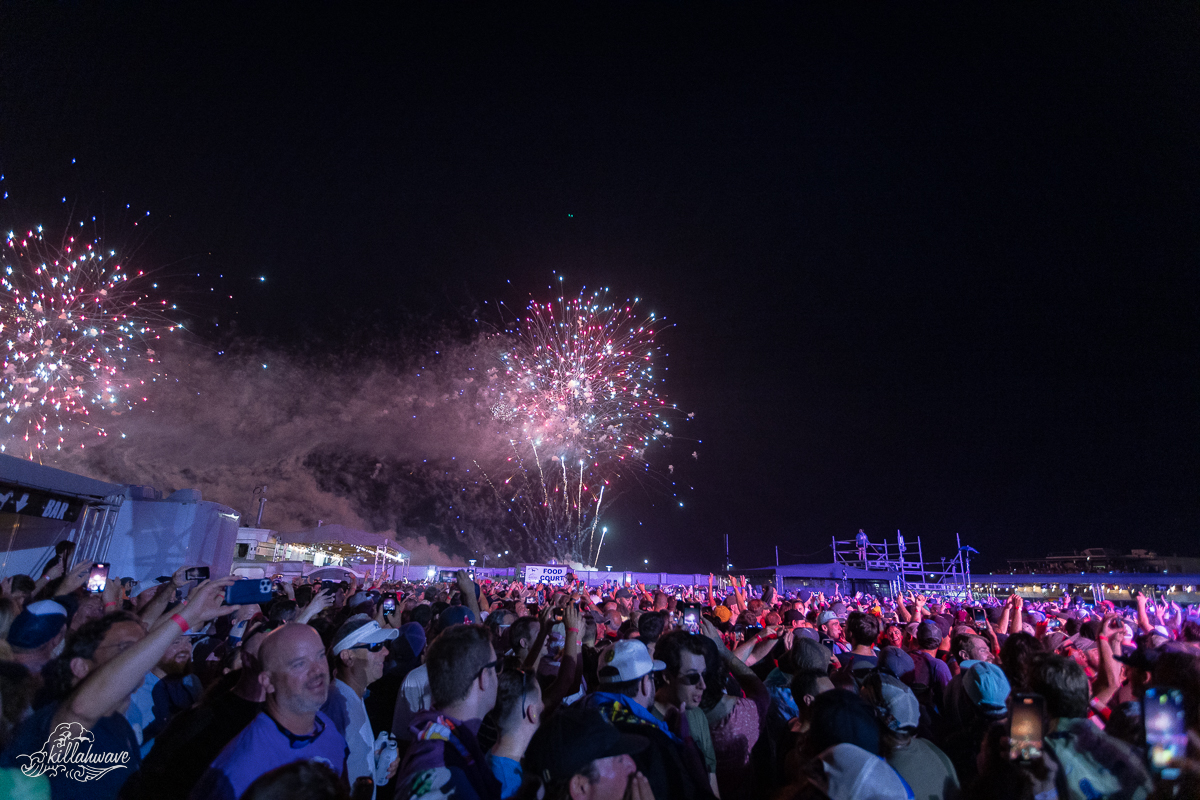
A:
<point x="75" y="331"/>
<point x="579" y="405"/>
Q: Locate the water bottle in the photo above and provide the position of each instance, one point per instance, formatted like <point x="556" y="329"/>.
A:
<point x="385" y="745"/>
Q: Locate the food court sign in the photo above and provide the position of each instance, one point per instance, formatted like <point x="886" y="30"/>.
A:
<point x="552" y="574"/>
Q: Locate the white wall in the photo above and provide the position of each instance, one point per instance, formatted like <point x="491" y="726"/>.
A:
<point x="156" y="537"/>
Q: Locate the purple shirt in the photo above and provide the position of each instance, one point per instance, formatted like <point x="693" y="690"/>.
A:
<point x="262" y="747"/>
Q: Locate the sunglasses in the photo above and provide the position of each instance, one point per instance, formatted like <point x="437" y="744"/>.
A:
<point x="296" y="742"/>
<point x="690" y="679"/>
<point x="374" y="647"/>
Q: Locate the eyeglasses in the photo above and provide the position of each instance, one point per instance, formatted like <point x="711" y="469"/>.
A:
<point x="690" y="679"/>
<point x="497" y="664"/>
<point x="374" y="647"/>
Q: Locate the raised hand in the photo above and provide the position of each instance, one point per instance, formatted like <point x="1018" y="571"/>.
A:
<point x="75" y="578"/>
<point x="639" y="787"/>
<point x="54" y="572"/>
<point x="465" y="584"/>
<point x="207" y="602"/>
<point x="710" y="630"/>
<point x="320" y="602"/>
<point x="573" y="618"/>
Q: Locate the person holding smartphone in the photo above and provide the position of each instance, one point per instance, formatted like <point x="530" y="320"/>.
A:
<point x="99" y="700"/>
<point x="1089" y="759"/>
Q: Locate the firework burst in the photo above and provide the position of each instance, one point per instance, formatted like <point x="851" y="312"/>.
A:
<point x="73" y="326"/>
<point x="578" y="401"/>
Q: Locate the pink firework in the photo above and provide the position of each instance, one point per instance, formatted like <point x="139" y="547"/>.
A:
<point x="74" y="326"/>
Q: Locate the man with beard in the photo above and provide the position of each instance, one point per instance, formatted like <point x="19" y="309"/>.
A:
<point x="168" y="689"/>
<point x="291" y="727"/>
<point x="103" y="675"/>
<point x="357" y="656"/>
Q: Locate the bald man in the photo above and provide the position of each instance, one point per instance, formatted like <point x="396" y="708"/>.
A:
<point x="295" y="677"/>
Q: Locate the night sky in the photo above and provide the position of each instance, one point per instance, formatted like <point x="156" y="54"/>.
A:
<point x="928" y="271"/>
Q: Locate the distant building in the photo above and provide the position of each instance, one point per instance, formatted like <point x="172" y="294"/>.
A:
<point x="1101" y="560"/>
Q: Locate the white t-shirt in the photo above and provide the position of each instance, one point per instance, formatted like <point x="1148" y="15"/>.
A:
<point x="359" y="736"/>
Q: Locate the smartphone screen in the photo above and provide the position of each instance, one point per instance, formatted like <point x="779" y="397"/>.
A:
<point x="1166" y="732"/>
<point x="1025" y="728"/>
<point x="97" y="578"/>
<point x="978" y="615"/>
<point x="389" y="606"/>
<point x="531" y="601"/>
<point x="195" y="574"/>
<point x="691" y="620"/>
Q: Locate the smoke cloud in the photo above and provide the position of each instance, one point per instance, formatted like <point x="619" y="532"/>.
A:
<point x="364" y="442"/>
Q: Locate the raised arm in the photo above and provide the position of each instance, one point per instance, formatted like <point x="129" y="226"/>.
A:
<point x="750" y="683"/>
<point x="162" y="595"/>
<point x="102" y="691"/>
<point x="567" y="682"/>
<point x="320" y="601"/>
<point x="467" y="587"/>
<point x="545" y="620"/>
<point x="1143" y="620"/>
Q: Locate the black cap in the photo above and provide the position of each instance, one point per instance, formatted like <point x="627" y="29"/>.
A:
<point x="1142" y="658"/>
<point x="573" y="738"/>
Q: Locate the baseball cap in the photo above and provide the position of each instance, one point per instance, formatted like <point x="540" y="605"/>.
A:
<point x="360" y="629"/>
<point x="37" y="624"/>
<point x="855" y="774"/>
<point x="986" y="685"/>
<point x="456" y="615"/>
<point x="900" y="703"/>
<point x="806" y="633"/>
<point x="826" y="616"/>
<point x="793" y="615"/>
<point x="722" y="613"/>
<point x="928" y="631"/>
<point x="1055" y="640"/>
<point x="627" y="660"/>
<point x="574" y="737"/>
<point x="897" y="663"/>
<point x="414" y="637"/>
<point x="839" y="717"/>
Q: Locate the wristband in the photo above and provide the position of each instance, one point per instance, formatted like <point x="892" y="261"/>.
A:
<point x="573" y="630"/>
<point x="110" y="603"/>
<point x="184" y="627"/>
<point x="1102" y="637"/>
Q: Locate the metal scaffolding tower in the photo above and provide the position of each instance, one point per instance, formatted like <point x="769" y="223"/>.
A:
<point x="951" y="578"/>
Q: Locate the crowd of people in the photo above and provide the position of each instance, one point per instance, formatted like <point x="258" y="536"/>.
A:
<point x="497" y="690"/>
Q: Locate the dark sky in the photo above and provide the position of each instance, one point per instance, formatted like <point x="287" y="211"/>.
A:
<point x="929" y="271"/>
